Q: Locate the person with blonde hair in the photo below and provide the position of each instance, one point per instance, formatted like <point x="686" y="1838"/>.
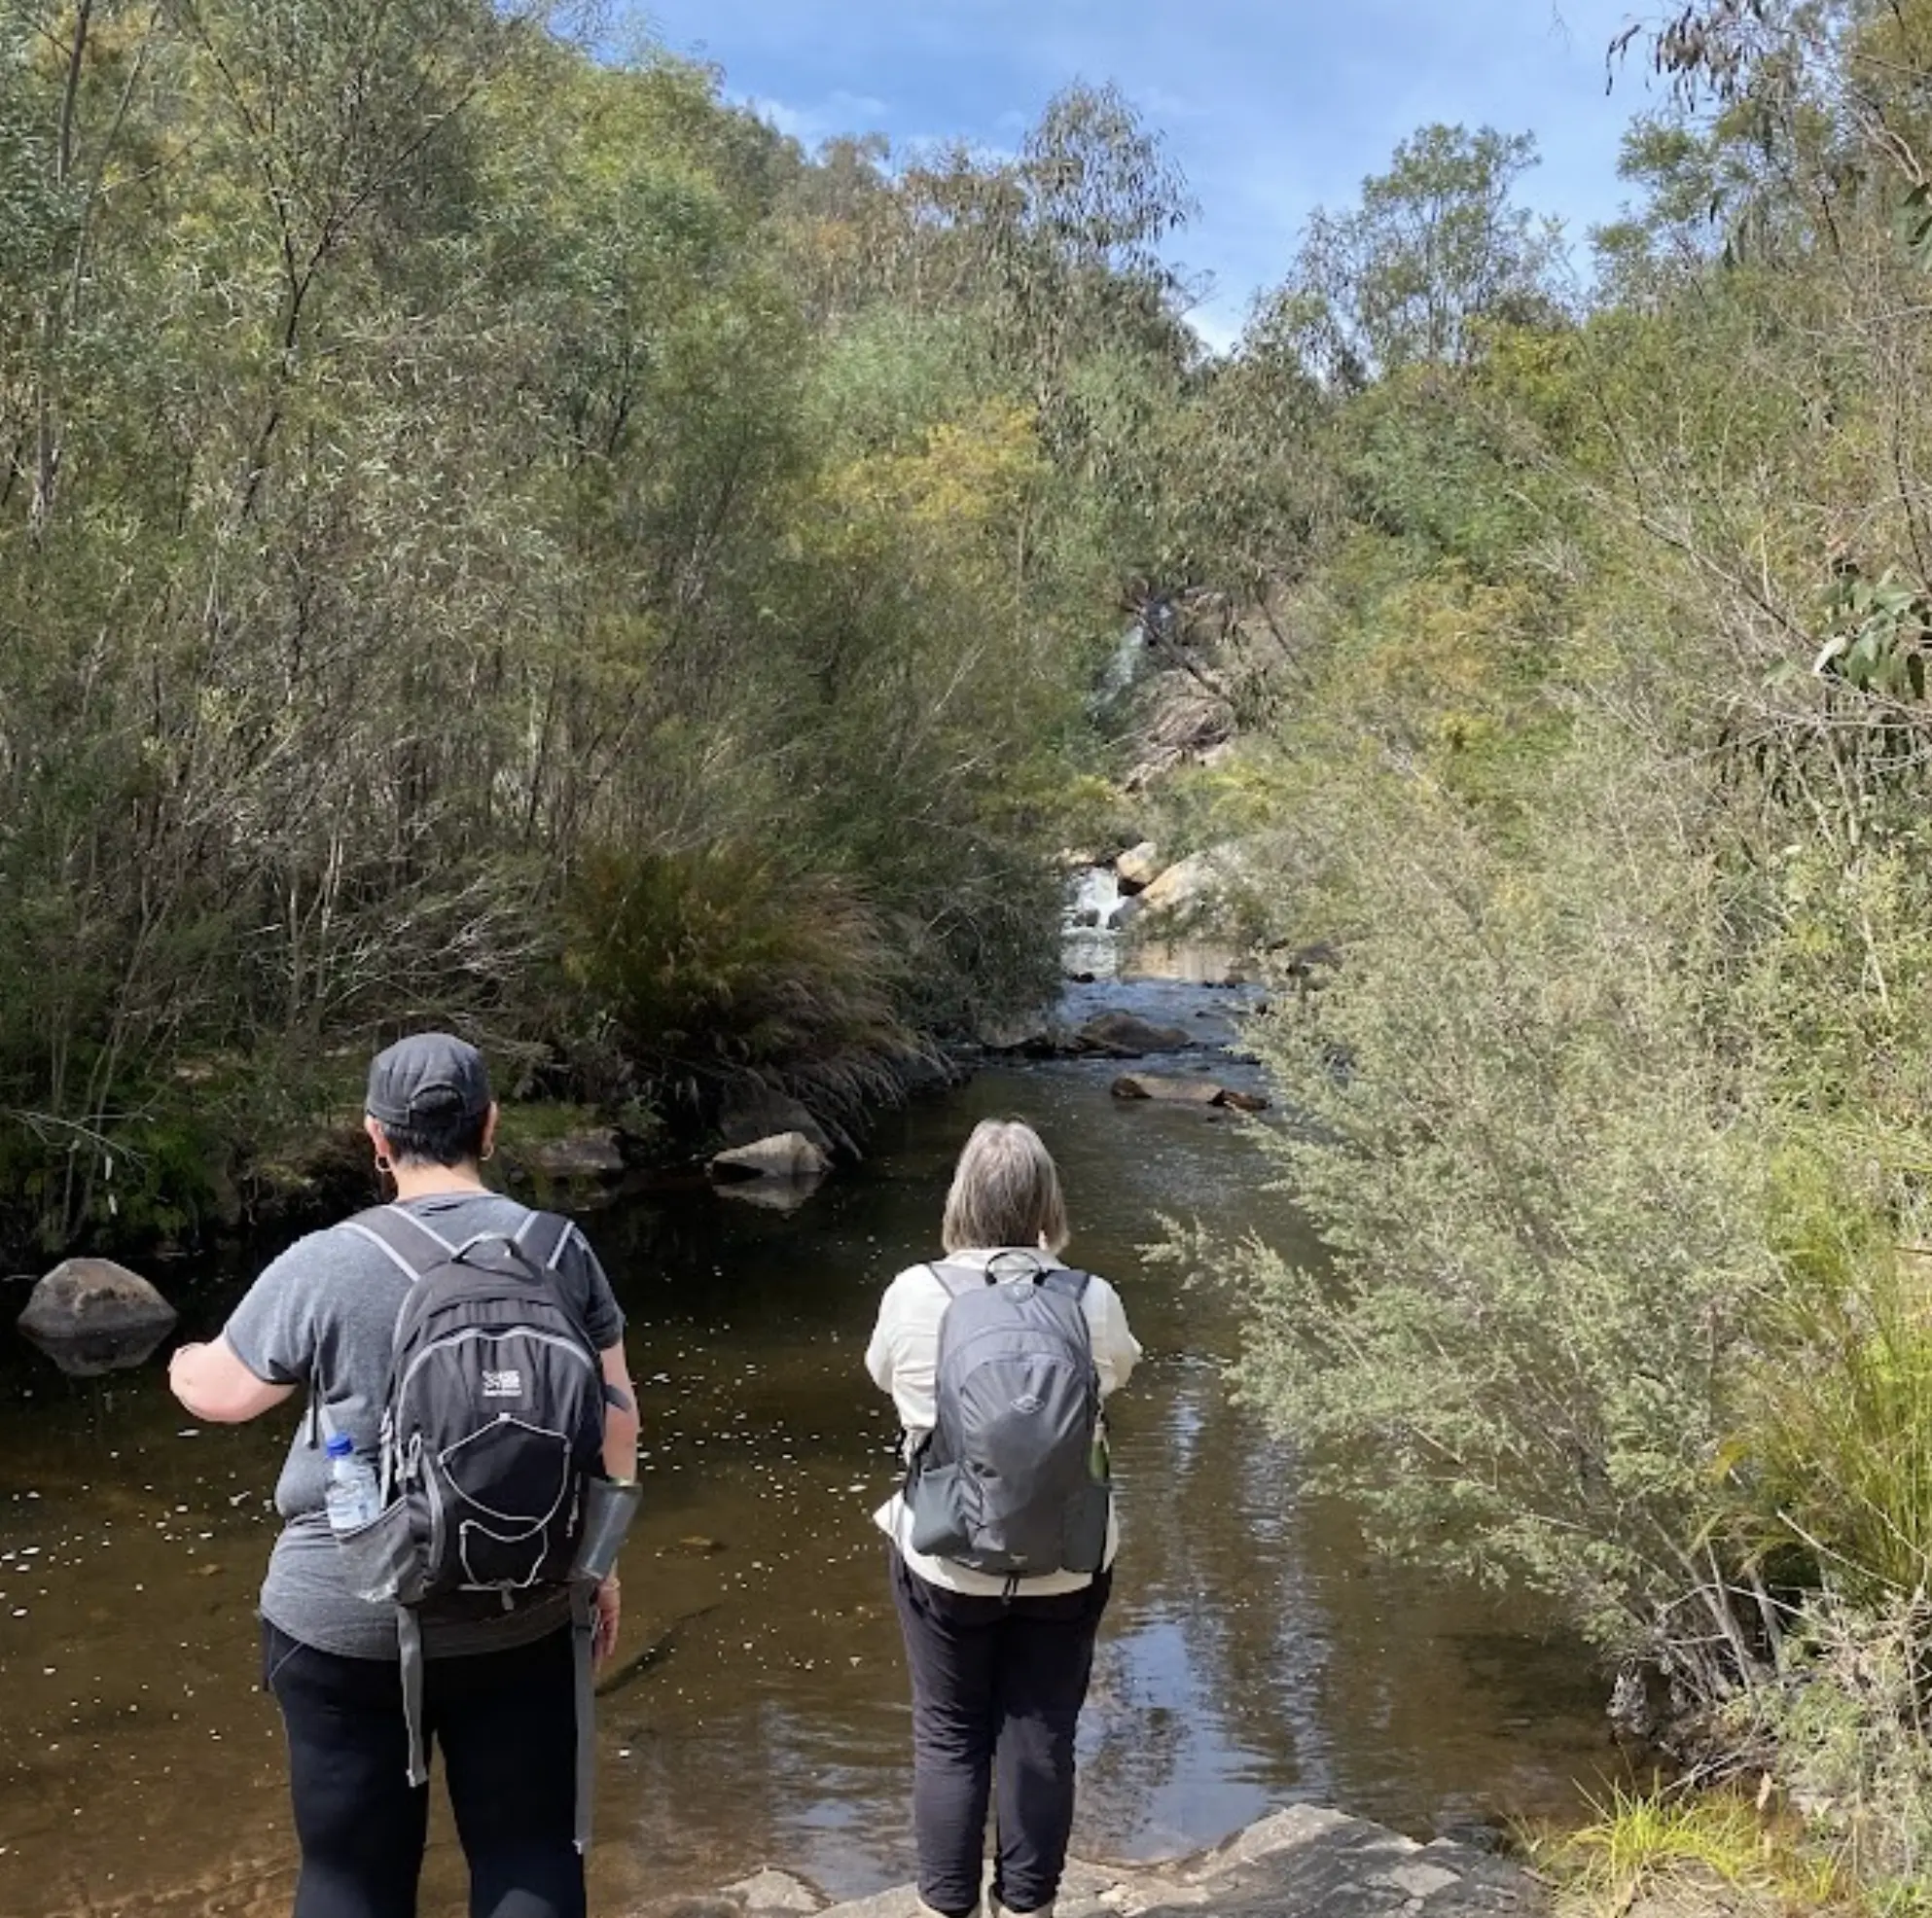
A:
<point x="997" y="1357"/>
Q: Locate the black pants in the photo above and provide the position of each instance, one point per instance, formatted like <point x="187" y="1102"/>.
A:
<point x="505" y="1723"/>
<point x="997" y="1688"/>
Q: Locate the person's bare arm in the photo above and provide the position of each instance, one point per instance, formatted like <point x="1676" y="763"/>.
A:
<point x="215" y="1386"/>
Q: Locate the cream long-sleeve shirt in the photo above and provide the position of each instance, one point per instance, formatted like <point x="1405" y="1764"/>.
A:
<point x="902" y="1359"/>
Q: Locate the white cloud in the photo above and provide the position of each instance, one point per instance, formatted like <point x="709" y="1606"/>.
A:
<point x="812" y="123"/>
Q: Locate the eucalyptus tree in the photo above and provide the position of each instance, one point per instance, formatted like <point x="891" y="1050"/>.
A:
<point x="1436" y="245"/>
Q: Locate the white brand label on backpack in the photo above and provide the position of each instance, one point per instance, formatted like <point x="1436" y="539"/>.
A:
<point x="503" y="1385"/>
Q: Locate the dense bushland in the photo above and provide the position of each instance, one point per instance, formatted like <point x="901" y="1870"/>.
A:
<point x="493" y="534"/>
<point x="1594" y="731"/>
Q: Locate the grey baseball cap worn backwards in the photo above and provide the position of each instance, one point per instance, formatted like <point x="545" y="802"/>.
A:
<point x="427" y="1075"/>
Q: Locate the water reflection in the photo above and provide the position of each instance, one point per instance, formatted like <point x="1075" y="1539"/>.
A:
<point x="93" y="1354"/>
<point x="1255" y="1652"/>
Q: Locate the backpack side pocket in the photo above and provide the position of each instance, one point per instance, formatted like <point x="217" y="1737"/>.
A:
<point x="380" y="1560"/>
<point x="941" y="1525"/>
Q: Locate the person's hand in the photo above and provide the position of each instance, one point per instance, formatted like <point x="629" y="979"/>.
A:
<point x="603" y="1628"/>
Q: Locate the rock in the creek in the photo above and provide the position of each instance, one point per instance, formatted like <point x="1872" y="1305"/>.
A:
<point x="1306" y="1861"/>
<point x="1173" y="1091"/>
<point x="1303" y="1862"/>
<point x="1138" y="867"/>
<point x="1186" y="1092"/>
<point x="1031" y="1033"/>
<point x="784" y="1155"/>
<point x="773" y="1891"/>
<point x="1125" y="1036"/>
<point x="91" y="1316"/>
<point x="1193" y="883"/>
<point x="94" y="1295"/>
<point x="587" y="1156"/>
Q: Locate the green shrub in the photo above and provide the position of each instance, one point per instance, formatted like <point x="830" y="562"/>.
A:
<point x="1541" y="1190"/>
<point x="712" y="963"/>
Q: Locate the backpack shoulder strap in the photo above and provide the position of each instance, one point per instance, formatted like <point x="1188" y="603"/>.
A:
<point x="543" y="1238"/>
<point x="1064" y="1279"/>
<point x="957" y="1281"/>
<point x="407" y="1241"/>
<point x="1064" y="1282"/>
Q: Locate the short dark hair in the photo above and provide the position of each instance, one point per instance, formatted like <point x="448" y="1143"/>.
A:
<point x="434" y="1138"/>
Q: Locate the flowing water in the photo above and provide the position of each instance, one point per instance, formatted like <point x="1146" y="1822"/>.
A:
<point x="1255" y="1652"/>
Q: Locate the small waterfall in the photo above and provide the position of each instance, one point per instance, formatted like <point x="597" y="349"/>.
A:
<point x="1089" y="937"/>
<point x="1123" y="666"/>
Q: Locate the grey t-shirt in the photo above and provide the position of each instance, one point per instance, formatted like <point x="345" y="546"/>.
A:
<point x="324" y="1315"/>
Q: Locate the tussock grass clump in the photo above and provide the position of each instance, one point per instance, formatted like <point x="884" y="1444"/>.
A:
<point x="1684" y="1851"/>
<point x="1834" y="1453"/>
<point x="724" y="961"/>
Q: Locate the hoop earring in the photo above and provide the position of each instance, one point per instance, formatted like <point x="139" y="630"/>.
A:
<point x="488" y="1153"/>
<point x="383" y="1163"/>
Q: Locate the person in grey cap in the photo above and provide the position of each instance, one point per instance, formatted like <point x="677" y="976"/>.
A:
<point x="500" y="1686"/>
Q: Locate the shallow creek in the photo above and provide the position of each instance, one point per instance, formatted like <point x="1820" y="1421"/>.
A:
<point x="1255" y="1653"/>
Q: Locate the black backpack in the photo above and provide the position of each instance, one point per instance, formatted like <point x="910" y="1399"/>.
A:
<point x="494" y="1415"/>
<point x="492" y="1430"/>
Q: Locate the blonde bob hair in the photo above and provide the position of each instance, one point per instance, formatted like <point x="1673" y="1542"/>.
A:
<point x="1006" y="1192"/>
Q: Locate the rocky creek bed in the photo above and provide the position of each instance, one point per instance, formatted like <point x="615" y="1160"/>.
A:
<point x="1303" y="1862"/>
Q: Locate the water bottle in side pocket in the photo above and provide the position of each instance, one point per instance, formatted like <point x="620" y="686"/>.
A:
<point x="354" y="1497"/>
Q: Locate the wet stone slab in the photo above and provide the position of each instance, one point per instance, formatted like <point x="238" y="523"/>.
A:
<point x="1301" y="1862"/>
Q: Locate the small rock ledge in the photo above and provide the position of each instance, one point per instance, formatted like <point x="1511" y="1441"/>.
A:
<point x="1302" y="1863"/>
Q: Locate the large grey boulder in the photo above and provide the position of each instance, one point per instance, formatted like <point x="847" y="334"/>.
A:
<point x="753" y="1112"/>
<point x="91" y="1316"/>
<point x="1308" y="1863"/>
<point x="1034" y="1034"/>
<point x="94" y="1295"/>
<point x="1125" y="1036"/>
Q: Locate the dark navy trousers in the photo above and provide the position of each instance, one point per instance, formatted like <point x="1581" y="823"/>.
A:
<point x="997" y="1688"/>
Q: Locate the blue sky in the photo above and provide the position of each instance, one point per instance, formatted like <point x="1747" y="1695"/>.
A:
<point x="1271" y="109"/>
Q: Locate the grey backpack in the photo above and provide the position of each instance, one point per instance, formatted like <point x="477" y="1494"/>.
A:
<point x="1012" y="1479"/>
